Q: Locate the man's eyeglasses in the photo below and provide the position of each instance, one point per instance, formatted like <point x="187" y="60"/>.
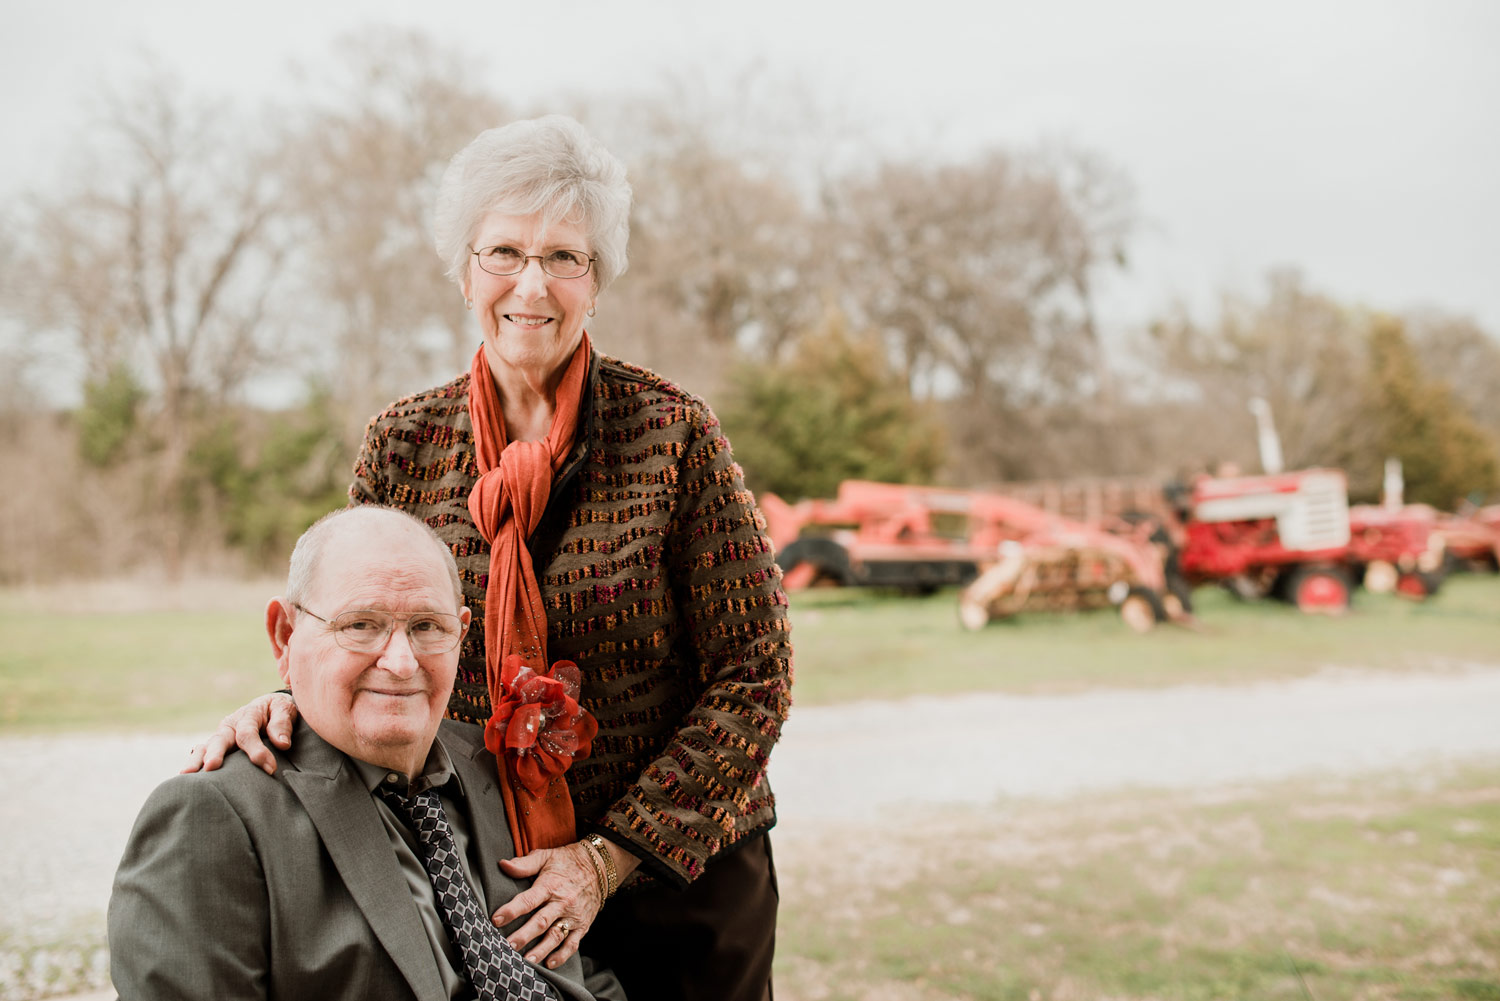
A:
<point x="366" y="630"/>
<point x="557" y="263"/>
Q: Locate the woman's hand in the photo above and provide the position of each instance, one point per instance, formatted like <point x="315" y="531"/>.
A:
<point x="565" y="898"/>
<point x="274" y="714"/>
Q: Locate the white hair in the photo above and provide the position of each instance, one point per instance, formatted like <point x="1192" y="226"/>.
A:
<point x="307" y="554"/>
<point x="548" y="165"/>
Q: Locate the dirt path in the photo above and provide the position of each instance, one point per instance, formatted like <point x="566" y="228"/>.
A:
<point x="62" y="839"/>
<point x="856" y="761"/>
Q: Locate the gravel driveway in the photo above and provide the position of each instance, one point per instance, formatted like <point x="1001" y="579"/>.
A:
<point x="62" y="837"/>
<point x="857" y="761"/>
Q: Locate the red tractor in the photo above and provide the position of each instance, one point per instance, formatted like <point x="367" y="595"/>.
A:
<point x="1285" y="534"/>
<point x="1293" y="535"/>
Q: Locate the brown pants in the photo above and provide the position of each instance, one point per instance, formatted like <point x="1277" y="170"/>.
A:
<point x="710" y="942"/>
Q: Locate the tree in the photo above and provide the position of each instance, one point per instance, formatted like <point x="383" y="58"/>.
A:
<point x="979" y="276"/>
<point x="361" y="168"/>
<point x="19" y="349"/>
<point x="160" y="261"/>
<point x="834" y="411"/>
<point x="1457" y="352"/>
<point x="1444" y="455"/>
<point x="725" y="261"/>
<point x="732" y="249"/>
<point x="1297" y="349"/>
<point x="274" y="475"/>
<point x="110" y="415"/>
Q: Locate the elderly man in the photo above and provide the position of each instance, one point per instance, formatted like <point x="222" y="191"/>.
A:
<point x="366" y="866"/>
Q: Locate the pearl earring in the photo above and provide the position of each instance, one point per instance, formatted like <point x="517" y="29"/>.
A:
<point x="468" y="304"/>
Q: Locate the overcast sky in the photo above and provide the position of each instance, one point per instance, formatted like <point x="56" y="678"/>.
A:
<point x="1357" y="140"/>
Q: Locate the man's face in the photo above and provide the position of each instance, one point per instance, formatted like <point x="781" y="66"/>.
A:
<point x="383" y="706"/>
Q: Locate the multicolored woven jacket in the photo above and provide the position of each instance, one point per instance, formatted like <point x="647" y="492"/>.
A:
<point x="659" y="581"/>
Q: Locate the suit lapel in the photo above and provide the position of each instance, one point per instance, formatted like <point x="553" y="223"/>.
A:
<point x="488" y="828"/>
<point x="345" y="816"/>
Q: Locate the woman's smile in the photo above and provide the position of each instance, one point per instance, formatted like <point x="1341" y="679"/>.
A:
<point x="526" y="319"/>
<point x="531" y="321"/>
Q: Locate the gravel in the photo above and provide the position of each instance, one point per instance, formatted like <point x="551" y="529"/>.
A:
<point x="63" y="834"/>
<point x="858" y="761"/>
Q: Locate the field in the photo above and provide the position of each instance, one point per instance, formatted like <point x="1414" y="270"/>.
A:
<point x="139" y="657"/>
<point x="1331" y="890"/>
<point x="76" y="662"/>
<point x="860" y="645"/>
<point x="1328" y="887"/>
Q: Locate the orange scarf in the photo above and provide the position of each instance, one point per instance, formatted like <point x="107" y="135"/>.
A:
<point x="536" y="727"/>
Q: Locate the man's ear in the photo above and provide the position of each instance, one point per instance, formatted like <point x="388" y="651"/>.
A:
<point x="279" y="629"/>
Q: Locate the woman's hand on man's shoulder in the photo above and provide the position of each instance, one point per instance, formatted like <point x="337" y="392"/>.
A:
<point x="271" y="714"/>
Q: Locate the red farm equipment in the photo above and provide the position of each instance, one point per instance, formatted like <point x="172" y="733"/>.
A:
<point x="874" y="535"/>
<point x="1044" y="562"/>
<point x="1471" y="540"/>
<point x="1285" y="534"/>
<point x="1293" y="534"/>
<point x="1397" y="549"/>
<point x="1013" y="556"/>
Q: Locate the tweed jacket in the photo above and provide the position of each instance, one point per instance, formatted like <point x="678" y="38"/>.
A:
<point x="236" y="884"/>
<point x="658" y="580"/>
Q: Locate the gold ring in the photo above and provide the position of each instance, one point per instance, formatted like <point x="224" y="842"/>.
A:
<point x="565" y="927"/>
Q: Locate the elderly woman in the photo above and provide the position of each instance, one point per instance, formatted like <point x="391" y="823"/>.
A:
<point x="634" y="667"/>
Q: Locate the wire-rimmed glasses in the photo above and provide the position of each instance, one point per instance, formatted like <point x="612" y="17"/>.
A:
<point x="367" y="630"/>
<point x="502" y="260"/>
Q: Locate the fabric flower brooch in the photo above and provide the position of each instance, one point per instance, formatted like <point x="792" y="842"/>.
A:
<point x="538" y="725"/>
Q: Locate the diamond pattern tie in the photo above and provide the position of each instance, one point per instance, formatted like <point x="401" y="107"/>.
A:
<point x="494" y="967"/>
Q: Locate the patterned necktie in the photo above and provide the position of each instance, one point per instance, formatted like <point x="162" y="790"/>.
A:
<point x="494" y="967"/>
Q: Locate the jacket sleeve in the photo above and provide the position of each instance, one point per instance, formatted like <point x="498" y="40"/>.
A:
<point x="369" y="484"/>
<point x="188" y="915"/>
<point x="707" y="791"/>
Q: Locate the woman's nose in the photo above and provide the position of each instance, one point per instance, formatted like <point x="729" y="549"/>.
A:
<point x="531" y="283"/>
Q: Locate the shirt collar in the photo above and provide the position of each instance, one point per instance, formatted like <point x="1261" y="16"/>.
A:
<point x="436" y="771"/>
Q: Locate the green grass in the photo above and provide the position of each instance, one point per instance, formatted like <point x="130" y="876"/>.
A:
<point x="1369" y="889"/>
<point x="852" y="644"/>
<point x="63" y="670"/>
<point x="118" y="671"/>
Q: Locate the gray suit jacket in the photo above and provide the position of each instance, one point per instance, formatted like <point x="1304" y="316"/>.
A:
<point x="236" y="884"/>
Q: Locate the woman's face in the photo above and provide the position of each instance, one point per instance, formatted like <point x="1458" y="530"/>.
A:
<point x="531" y="321"/>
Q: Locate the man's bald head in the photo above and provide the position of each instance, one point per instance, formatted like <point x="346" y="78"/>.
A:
<point x="365" y="525"/>
<point x="367" y="637"/>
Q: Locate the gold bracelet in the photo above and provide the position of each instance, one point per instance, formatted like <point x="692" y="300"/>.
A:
<point x="609" y="863"/>
<point x="593" y="854"/>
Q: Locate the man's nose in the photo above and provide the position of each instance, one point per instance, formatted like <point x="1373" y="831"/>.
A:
<point x="398" y="657"/>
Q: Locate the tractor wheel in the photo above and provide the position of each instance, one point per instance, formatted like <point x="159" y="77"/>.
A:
<point x="828" y="559"/>
<point x="1319" y="590"/>
<point x="1142" y="609"/>
<point x="1418" y="586"/>
<point x="1179" y="591"/>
